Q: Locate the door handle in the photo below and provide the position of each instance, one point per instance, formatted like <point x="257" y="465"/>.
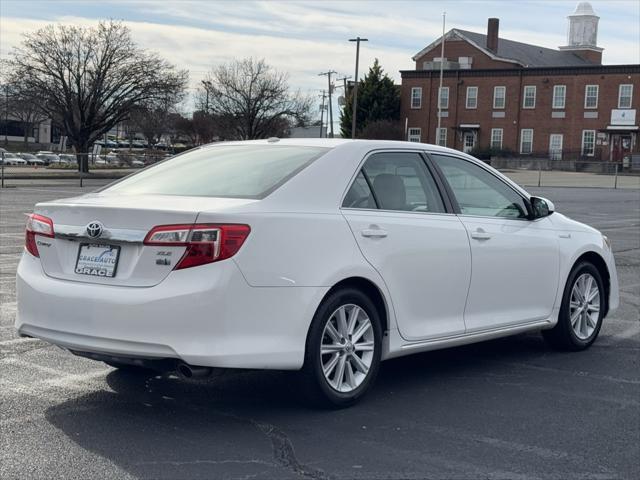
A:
<point x="480" y="234"/>
<point x="373" y="232"/>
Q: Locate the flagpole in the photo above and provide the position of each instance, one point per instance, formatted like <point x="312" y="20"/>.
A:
<point x="444" y="15"/>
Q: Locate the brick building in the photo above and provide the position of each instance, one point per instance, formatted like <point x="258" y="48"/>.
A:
<point x="504" y="95"/>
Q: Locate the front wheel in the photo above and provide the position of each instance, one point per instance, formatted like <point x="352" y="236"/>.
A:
<point x="343" y="349"/>
<point x="581" y="312"/>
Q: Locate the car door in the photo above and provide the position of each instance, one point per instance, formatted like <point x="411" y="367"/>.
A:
<point x="515" y="261"/>
<point x="399" y="220"/>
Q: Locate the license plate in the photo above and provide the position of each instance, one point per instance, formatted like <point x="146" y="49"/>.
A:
<point x="97" y="260"/>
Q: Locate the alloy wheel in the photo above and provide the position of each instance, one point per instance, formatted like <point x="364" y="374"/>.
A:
<point x="347" y="348"/>
<point x="584" y="306"/>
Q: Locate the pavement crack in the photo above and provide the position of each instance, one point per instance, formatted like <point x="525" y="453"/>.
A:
<point x="284" y="453"/>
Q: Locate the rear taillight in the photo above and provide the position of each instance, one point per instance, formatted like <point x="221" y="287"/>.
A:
<point x="205" y="243"/>
<point x="36" y="225"/>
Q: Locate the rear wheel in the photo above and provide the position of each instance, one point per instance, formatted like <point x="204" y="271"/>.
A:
<point x="581" y="312"/>
<point x="343" y="349"/>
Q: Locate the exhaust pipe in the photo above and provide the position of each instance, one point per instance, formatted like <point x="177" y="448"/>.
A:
<point x="189" y="371"/>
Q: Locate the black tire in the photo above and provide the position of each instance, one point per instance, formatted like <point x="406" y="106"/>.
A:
<point x="315" y="387"/>
<point x="563" y="336"/>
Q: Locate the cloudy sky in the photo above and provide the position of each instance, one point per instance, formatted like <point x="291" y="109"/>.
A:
<point x="307" y="37"/>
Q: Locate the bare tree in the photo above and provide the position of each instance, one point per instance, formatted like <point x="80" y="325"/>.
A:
<point x="154" y="117"/>
<point x="253" y="100"/>
<point x="90" y="79"/>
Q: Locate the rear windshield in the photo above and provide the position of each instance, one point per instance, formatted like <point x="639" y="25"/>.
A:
<point x="238" y="171"/>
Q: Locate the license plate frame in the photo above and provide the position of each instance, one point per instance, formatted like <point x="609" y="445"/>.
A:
<point x="93" y="268"/>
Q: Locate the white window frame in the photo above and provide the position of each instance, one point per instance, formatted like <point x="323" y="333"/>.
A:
<point x="522" y="141"/>
<point x="440" y="92"/>
<point x="472" y="89"/>
<point x="582" y="144"/>
<point x="504" y="96"/>
<point x="552" y="152"/>
<point x="414" y="97"/>
<point x="524" y="97"/>
<point x="414" y="134"/>
<point x="443" y="130"/>
<point x="586" y="96"/>
<point x="493" y="134"/>
<point x="630" y="85"/>
<point x="563" y="89"/>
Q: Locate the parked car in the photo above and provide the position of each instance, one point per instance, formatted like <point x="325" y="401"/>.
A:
<point x="324" y="256"/>
<point x="48" y="157"/>
<point x="13" y="159"/>
<point x="68" y="158"/>
<point x="137" y="163"/>
<point x="31" y="159"/>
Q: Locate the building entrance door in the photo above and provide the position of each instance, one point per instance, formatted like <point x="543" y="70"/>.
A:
<point x="620" y="146"/>
<point x="468" y="141"/>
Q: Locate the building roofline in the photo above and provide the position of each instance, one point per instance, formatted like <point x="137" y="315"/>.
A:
<point x="455" y="31"/>
<point x="525" y="71"/>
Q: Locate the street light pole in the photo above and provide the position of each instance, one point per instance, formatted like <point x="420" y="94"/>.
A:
<point x="328" y="74"/>
<point x="354" y="109"/>
<point x="324" y="95"/>
<point x="444" y="15"/>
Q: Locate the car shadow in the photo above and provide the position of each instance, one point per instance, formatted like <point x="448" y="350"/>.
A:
<point x="161" y="426"/>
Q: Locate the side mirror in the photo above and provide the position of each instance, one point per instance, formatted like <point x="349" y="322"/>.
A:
<point x="541" y="207"/>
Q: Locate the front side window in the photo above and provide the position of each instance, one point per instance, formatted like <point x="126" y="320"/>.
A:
<point x="472" y="97"/>
<point x="526" y="140"/>
<point x="559" y="95"/>
<point x="237" y="171"/>
<point x="496" y="137"/>
<point x="416" y="97"/>
<point x="588" y="142"/>
<point x="625" y="96"/>
<point x="414" y="135"/>
<point x="444" y="97"/>
<point x="499" y="94"/>
<point x="529" y="100"/>
<point x="400" y="181"/>
<point x="478" y="192"/>
<point x="591" y="96"/>
<point x="441" y="136"/>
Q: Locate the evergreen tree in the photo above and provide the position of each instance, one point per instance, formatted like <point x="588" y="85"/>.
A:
<point x="378" y="100"/>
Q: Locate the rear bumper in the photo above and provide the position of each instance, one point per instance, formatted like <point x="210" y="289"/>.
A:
<point x="206" y="316"/>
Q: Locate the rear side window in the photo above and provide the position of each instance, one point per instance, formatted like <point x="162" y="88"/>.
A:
<point x="237" y="171"/>
<point x="400" y="181"/>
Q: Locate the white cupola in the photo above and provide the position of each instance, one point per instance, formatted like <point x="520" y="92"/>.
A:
<point x="583" y="27"/>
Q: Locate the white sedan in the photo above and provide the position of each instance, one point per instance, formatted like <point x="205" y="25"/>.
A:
<point x="323" y="256"/>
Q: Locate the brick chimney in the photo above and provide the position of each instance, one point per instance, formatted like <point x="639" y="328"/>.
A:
<point x="492" y="34"/>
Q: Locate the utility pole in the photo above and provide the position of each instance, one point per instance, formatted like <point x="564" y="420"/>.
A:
<point x="207" y="85"/>
<point x="354" y="109"/>
<point x="323" y="96"/>
<point x="444" y="16"/>
<point x="328" y="74"/>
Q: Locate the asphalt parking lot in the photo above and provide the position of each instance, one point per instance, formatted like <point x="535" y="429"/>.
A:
<point x="505" y="409"/>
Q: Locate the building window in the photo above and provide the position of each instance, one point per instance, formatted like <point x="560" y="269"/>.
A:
<point x="529" y="100"/>
<point x="555" y="146"/>
<point x="559" y="95"/>
<point x="444" y="97"/>
<point x="625" y="94"/>
<point x="499" y="94"/>
<point x="588" y="143"/>
<point x="441" y="136"/>
<point x="414" y="135"/>
<point x="591" y="96"/>
<point x="526" y="140"/>
<point x="472" y="97"/>
<point x="465" y="62"/>
<point x="416" y="97"/>
<point x="496" y="138"/>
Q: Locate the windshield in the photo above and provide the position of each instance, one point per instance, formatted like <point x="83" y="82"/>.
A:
<point x="238" y="171"/>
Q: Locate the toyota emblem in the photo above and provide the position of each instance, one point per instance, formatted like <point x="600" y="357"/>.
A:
<point x="94" y="229"/>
